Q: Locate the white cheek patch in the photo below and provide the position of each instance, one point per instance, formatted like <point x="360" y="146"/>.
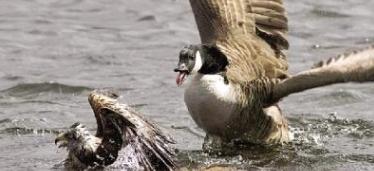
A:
<point x="216" y="84"/>
<point x="198" y="63"/>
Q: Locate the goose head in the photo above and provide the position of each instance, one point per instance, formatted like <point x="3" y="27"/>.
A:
<point x="190" y="62"/>
<point x="199" y="59"/>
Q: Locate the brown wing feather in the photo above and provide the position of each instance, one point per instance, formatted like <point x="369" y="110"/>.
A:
<point x="357" y="66"/>
<point x="251" y="34"/>
<point x="151" y="144"/>
<point x="251" y="58"/>
<point x="218" y="18"/>
<point x="271" y="22"/>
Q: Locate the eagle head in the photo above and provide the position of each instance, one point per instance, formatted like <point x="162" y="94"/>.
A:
<point x="75" y="136"/>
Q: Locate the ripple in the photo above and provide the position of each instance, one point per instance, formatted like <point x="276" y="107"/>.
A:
<point x="328" y="13"/>
<point x="319" y="46"/>
<point x="361" y="158"/>
<point x="366" y="41"/>
<point x="64" y="4"/>
<point x="12" y="77"/>
<point x="138" y="106"/>
<point x="102" y="59"/>
<point x="92" y="10"/>
<point x="22" y="90"/>
<point x="25" y="131"/>
<point x="338" y="98"/>
<point x="7" y="120"/>
<point x="42" y="32"/>
<point x="42" y="21"/>
<point x="189" y="129"/>
<point x="147" y="18"/>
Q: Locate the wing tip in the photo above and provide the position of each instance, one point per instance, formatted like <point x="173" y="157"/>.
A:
<point x="340" y="57"/>
<point x="155" y="150"/>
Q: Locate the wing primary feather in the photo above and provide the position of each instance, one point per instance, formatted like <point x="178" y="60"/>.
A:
<point x="216" y="19"/>
<point x="269" y="13"/>
<point x="357" y="66"/>
<point x="271" y="21"/>
<point x="150" y="143"/>
<point x="274" y="5"/>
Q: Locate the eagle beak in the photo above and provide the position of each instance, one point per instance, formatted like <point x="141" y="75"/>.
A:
<point x="61" y="140"/>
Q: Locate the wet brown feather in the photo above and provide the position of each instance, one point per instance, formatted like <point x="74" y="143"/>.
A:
<point x="217" y="19"/>
<point x="232" y="25"/>
<point x="356" y="66"/>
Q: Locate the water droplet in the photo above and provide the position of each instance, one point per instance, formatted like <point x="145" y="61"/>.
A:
<point x="316" y="46"/>
<point x="332" y="117"/>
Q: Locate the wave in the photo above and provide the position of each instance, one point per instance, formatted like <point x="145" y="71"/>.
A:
<point x="25" y="131"/>
<point x="26" y="89"/>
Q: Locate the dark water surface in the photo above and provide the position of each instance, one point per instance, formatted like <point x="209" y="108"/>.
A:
<point x="54" y="52"/>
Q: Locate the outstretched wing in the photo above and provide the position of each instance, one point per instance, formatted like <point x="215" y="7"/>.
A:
<point x="218" y="19"/>
<point x="150" y="144"/>
<point x="271" y="22"/>
<point x="357" y="66"/>
<point x="250" y="33"/>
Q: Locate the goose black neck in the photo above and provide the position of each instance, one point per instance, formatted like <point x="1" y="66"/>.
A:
<point x="214" y="61"/>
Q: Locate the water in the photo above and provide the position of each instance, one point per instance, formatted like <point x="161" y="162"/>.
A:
<point x="53" y="53"/>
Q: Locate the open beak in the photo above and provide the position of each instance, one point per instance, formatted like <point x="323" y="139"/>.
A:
<point x="61" y="140"/>
<point x="182" y="74"/>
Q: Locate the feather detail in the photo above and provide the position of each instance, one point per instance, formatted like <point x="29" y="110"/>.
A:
<point x="357" y="66"/>
<point x="250" y="59"/>
<point x="149" y="141"/>
<point x="271" y="23"/>
<point x="217" y="19"/>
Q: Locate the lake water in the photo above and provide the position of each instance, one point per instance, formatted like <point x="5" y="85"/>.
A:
<point x="53" y="53"/>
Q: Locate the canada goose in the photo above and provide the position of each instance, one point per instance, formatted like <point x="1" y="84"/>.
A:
<point x="239" y="71"/>
<point x="123" y="139"/>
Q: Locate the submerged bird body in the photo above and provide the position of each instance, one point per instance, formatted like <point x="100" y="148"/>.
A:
<point x="124" y="140"/>
<point x="239" y="71"/>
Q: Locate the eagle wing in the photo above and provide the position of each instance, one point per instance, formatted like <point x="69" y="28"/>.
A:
<point x="250" y="33"/>
<point x="149" y="143"/>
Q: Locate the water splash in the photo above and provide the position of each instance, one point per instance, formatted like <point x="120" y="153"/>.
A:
<point x="309" y="147"/>
<point x="319" y="130"/>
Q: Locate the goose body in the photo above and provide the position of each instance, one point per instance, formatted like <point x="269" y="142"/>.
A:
<point x="215" y="106"/>
<point x="210" y="101"/>
<point x="239" y="71"/>
<point x="228" y="102"/>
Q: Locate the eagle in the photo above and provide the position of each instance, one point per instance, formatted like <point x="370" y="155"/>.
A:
<point x="124" y="139"/>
